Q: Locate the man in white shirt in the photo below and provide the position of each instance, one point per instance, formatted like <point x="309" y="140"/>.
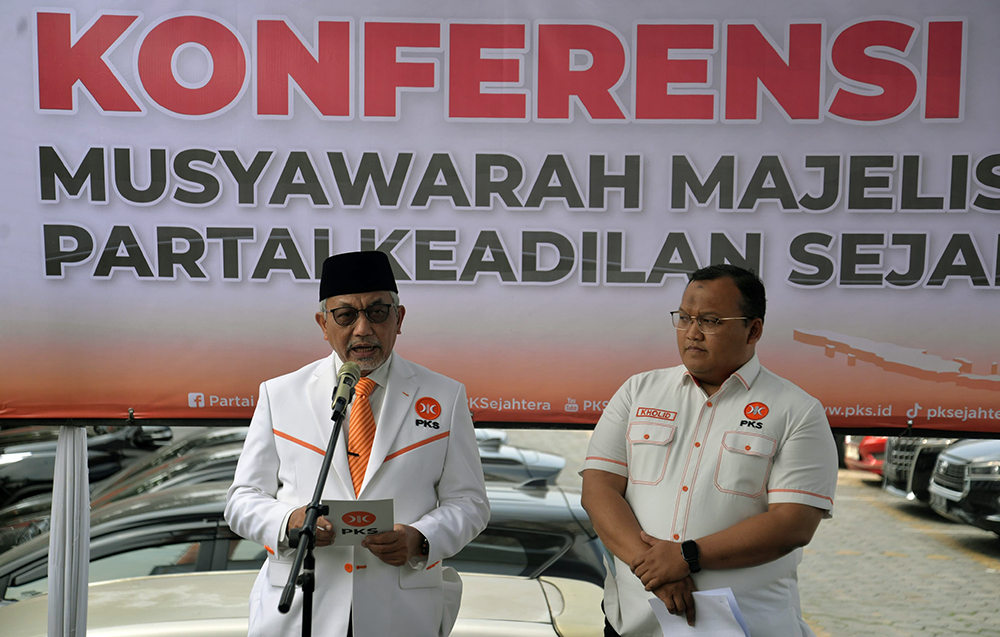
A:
<point x="711" y="474"/>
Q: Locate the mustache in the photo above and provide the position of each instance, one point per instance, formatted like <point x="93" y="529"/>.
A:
<point x="365" y="340"/>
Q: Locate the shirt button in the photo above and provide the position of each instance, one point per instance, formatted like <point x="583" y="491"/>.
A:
<point x="748" y="447"/>
<point x="646" y="436"/>
<point x="710" y="403"/>
<point x="348" y="567"/>
<point x="697" y="444"/>
<point x="676" y="537"/>
<point x="684" y="488"/>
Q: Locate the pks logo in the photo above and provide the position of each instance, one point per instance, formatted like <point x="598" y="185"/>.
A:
<point x="755" y="411"/>
<point x="428" y="409"/>
<point x="358" y="518"/>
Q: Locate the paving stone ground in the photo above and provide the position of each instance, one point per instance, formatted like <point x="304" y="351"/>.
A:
<point x="881" y="566"/>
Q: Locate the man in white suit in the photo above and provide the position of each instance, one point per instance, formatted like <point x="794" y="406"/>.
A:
<point x="423" y="456"/>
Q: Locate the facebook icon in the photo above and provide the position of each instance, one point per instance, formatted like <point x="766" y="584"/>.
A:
<point x="196" y="399"/>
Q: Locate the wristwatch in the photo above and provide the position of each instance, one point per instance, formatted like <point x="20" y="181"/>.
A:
<point x="690" y="553"/>
<point x="425" y="547"/>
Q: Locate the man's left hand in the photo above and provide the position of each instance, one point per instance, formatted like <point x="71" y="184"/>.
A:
<point x="661" y="564"/>
<point x="395" y="547"/>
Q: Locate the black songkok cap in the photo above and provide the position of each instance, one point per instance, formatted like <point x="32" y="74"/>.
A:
<point x="355" y="273"/>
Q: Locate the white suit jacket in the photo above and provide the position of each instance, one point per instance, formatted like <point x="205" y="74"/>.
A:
<point x="428" y="464"/>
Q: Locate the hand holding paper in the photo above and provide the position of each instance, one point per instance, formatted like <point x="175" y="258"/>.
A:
<point x="394" y="547"/>
<point x="324" y="530"/>
<point x="678" y="598"/>
<point x="355" y="520"/>
<point x="718" y="616"/>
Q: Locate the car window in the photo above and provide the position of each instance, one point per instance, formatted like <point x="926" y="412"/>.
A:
<point x="510" y="552"/>
<point x="154" y="560"/>
<point x="245" y="555"/>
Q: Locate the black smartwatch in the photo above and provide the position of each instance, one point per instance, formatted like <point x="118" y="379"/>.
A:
<point x="689" y="551"/>
<point x="425" y="547"/>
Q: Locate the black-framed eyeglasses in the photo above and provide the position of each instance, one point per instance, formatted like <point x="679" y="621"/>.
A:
<point x="346" y="316"/>
<point x="706" y="324"/>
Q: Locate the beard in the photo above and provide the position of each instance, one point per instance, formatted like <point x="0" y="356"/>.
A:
<point x="371" y="360"/>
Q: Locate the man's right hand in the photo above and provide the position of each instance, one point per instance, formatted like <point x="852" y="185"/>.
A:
<point x="324" y="530"/>
<point x="677" y="597"/>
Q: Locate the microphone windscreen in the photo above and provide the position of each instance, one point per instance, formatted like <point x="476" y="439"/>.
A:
<point x="351" y="370"/>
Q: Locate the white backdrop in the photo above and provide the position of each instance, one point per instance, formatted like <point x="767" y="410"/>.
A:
<point x="544" y="175"/>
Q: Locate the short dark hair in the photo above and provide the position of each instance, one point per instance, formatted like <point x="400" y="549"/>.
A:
<point x="749" y="284"/>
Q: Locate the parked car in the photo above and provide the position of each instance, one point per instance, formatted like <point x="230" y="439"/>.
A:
<point x="27" y="469"/>
<point x="13" y="436"/>
<point x="215" y="605"/>
<point x="516" y="464"/>
<point x="39" y="506"/>
<point x="203" y="464"/>
<point x="532" y="532"/>
<point x="864" y="453"/>
<point x="909" y="464"/>
<point x="966" y="484"/>
<point x="212" y="456"/>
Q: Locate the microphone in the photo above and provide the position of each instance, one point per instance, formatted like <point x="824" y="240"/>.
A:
<point x="347" y="378"/>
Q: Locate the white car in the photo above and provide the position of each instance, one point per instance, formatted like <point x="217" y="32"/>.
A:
<point x="215" y="604"/>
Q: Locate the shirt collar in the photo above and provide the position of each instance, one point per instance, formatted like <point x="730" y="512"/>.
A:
<point x="745" y="375"/>
<point x="381" y="373"/>
<point x="748" y="373"/>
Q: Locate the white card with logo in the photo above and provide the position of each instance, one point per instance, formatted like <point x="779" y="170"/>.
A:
<point x="354" y="520"/>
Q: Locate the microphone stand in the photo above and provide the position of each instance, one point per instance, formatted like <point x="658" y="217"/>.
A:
<point x="304" y="539"/>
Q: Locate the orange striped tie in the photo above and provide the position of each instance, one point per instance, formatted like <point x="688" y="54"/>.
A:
<point x="361" y="432"/>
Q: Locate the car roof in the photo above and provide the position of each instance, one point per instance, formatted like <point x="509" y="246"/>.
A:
<point x="205" y="439"/>
<point x="223" y="454"/>
<point x="206" y="500"/>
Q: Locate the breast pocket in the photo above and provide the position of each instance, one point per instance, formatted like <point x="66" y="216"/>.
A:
<point x="648" y="450"/>
<point x="744" y="463"/>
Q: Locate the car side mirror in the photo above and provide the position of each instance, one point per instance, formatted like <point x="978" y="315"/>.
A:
<point x="152" y="437"/>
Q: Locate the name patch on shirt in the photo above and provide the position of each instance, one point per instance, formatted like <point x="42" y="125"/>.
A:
<point x="659" y="414"/>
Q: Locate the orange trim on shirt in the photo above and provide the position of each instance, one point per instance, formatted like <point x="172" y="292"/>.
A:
<point x="269" y="549"/>
<point x="624" y="464"/>
<point x="417" y="444"/>
<point x="815" y="495"/>
<point x="302" y="443"/>
<point x="432" y="565"/>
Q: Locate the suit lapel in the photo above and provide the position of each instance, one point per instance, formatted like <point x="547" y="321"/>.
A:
<point x="320" y="398"/>
<point x="400" y="392"/>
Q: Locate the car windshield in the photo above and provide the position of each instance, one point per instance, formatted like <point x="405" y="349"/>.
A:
<point x="157" y="475"/>
<point x="167" y="454"/>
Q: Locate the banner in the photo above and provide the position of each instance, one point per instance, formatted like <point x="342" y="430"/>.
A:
<point x="544" y="176"/>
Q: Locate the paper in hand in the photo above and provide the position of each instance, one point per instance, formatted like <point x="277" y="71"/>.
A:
<point x="717" y="615"/>
<point x="354" y="520"/>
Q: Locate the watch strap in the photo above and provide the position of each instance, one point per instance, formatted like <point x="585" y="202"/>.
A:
<point x="691" y="554"/>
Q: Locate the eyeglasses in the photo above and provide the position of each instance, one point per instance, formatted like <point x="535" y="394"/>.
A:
<point x="346" y="316"/>
<point x="707" y="324"/>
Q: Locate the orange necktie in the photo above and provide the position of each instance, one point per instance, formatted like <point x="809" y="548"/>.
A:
<point x="361" y="432"/>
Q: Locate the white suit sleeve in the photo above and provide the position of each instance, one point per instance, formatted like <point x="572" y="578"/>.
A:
<point x="252" y="509"/>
